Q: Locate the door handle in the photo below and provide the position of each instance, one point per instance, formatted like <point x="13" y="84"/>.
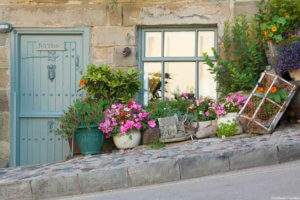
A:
<point x="77" y="62"/>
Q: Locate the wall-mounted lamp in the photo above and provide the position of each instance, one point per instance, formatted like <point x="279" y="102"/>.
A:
<point x="5" y="27"/>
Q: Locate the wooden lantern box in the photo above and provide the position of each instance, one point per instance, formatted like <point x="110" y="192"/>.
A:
<point x="261" y="113"/>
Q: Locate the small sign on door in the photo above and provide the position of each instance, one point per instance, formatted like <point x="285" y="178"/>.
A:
<point x="51" y="46"/>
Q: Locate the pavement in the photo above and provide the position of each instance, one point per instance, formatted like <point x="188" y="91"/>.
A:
<point x="144" y="166"/>
<point x="275" y="182"/>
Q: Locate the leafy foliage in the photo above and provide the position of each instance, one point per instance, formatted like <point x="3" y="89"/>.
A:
<point x="166" y="108"/>
<point x="278" y="96"/>
<point x="227" y="129"/>
<point x="240" y="67"/>
<point x="157" y="144"/>
<point x="83" y="113"/>
<point x="278" y="19"/>
<point x="202" y="110"/>
<point x="115" y="85"/>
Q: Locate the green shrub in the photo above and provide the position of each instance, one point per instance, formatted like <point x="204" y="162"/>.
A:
<point x="227" y="129"/>
<point x="114" y="85"/>
<point x="86" y="113"/>
<point x="167" y="108"/>
<point x="240" y="66"/>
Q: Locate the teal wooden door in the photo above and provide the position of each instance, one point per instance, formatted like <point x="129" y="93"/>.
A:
<point x="49" y="72"/>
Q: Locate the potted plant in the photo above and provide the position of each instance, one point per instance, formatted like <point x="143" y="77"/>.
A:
<point x="278" y="21"/>
<point x="80" y="122"/>
<point x="111" y="84"/>
<point x="124" y="123"/>
<point x="228" y="110"/>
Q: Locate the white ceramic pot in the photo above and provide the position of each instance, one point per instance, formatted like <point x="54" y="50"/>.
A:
<point x="129" y="140"/>
<point x="295" y="74"/>
<point x="230" y="118"/>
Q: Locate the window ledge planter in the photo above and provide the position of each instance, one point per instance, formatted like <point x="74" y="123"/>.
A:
<point x="90" y="141"/>
<point x="128" y="140"/>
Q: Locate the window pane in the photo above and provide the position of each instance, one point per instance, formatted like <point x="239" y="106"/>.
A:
<point x="180" y="44"/>
<point x="206" y="41"/>
<point x="152" y="81"/>
<point x="153" y="44"/>
<point x="207" y="84"/>
<point x="180" y="76"/>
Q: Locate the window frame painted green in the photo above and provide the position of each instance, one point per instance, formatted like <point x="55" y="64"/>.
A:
<point x="196" y="59"/>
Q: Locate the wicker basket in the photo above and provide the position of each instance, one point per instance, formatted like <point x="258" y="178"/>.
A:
<point x="261" y="114"/>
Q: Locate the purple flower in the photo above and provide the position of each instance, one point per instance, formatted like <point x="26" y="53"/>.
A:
<point x="289" y="58"/>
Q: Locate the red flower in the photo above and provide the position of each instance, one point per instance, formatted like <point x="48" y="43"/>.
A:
<point x="82" y="82"/>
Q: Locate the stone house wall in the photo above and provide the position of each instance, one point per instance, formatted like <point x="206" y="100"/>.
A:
<point x="112" y="25"/>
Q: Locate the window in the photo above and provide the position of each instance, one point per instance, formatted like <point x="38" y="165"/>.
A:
<point x="171" y="60"/>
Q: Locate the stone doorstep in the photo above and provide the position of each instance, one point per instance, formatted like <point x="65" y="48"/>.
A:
<point x="172" y="163"/>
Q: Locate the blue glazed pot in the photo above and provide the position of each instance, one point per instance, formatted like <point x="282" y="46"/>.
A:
<point x="90" y="141"/>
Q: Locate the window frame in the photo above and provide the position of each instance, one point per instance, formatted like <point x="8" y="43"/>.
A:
<point x="195" y="59"/>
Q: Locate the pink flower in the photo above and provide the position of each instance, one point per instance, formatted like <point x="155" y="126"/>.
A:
<point x="152" y="123"/>
<point x="138" y="125"/>
<point x="127" y="109"/>
<point x="117" y="112"/>
<point x="128" y="115"/>
<point x="123" y="129"/>
<point x="114" y="106"/>
<point x="206" y="113"/>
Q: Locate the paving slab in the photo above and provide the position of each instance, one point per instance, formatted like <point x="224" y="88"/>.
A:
<point x="144" y="166"/>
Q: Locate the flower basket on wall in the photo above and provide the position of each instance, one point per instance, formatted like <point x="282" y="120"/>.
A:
<point x="266" y="104"/>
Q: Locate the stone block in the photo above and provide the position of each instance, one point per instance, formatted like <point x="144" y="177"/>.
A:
<point x="3" y="39"/>
<point x="4" y="150"/>
<point x="4" y="104"/>
<point x="113" y="36"/>
<point x="150" y="135"/>
<point x="206" y="129"/>
<point x="115" y="15"/>
<point x="4" y="80"/>
<point x="16" y="190"/>
<point x="55" y="15"/>
<point x="4" y="153"/>
<point x="120" y="61"/>
<point x="3" y="63"/>
<point x="203" y="165"/>
<point x="247" y="8"/>
<point x="210" y="12"/>
<point x="102" y="55"/>
<point x="253" y="157"/>
<point x="288" y="151"/>
<point x="3" y="54"/>
<point x="52" y="187"/>
<point x="98" y="181"/>
<point x="4" y="126"/>
<point x="153" y="173"/>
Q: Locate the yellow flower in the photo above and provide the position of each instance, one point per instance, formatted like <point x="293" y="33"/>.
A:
<point x="286" y="14"/>
<point x="274" y="29"/>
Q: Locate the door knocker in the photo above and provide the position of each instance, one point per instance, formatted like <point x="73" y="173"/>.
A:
<point x="51" y="72"/>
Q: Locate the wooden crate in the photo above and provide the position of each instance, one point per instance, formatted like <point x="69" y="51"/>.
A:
<point x="261" y="114"/>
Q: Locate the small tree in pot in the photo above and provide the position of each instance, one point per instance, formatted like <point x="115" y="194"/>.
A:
<point x="81" y="121"/>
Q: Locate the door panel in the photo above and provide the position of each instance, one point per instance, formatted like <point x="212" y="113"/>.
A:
<point x="50" y="67"/>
